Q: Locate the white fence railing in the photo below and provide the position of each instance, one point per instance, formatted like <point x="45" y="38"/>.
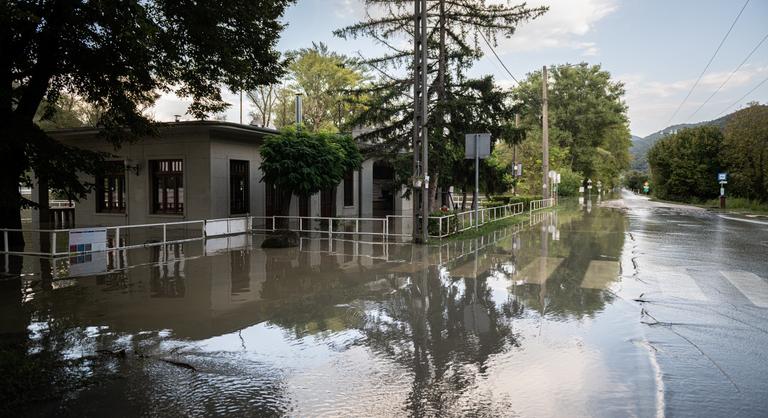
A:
<point x="443" y="226"/>
<point x="541" y="204"/>
<point x="55" y="242"/>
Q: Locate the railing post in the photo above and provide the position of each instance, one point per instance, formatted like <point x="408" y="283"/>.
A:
<point x="117" y="238"/>
<point x="440" y="227"/>
<point x="53" y="243"/>
<point x="5" y="241"/>
<point x="357" y="226"/>
<point x="164" y="233"/>
<point x="202" y="233"/>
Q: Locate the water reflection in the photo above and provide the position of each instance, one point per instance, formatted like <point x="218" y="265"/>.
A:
<point x="398" y="329"/>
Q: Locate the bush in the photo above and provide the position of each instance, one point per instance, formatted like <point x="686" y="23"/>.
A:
<point x="449" y="224"/>
<point x="525" y="200"/>
<point x="570" y="181"/>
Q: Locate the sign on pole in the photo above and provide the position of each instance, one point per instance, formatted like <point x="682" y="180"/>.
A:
<point x="483" y="145"/>
<point x="722" y="176"/>
<point x="477" y="146"/>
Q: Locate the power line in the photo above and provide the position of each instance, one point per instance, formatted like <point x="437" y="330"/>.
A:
<point x="742" y="97"/>
<point x="497" y="58"/>
<point x="709" y="63"/>
<point x="729" y="76"/>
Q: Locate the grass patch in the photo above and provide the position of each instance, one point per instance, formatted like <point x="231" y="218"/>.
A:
<point x="732" y="204"/>
<point x="739" y="204"/>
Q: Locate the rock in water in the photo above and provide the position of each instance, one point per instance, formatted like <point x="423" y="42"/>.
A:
<point x="281" y="239"/>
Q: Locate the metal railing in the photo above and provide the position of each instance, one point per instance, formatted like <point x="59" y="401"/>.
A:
<point x="446" y="225"/>
<point x="541" y="204"/>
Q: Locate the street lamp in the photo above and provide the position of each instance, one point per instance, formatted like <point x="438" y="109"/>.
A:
<point x="589" y="188"/>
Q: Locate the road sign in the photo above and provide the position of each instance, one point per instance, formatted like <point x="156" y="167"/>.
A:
<point x="645" y="189"/>
<point x="483" y="145"/>
<point x="722" y="176"/>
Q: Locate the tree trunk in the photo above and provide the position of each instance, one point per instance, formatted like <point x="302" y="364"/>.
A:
<point x="283" y="208"/>
<point x="11" y="169"/>
<point x="463" y="199"/>
<point x="433" y="203"/>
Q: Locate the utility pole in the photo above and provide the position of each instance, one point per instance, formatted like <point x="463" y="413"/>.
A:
<point x="241" y="107"/>
<point x="299" y="112"/>
<point x="544" y="135"/>
<point x="424" y="118"/>
<point x="416" y="167"/>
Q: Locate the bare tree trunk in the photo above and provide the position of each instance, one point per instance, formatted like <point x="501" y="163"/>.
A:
<point x="463" y="199"/>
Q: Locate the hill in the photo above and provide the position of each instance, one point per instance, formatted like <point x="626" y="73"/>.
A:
<point x="640" y="146"/>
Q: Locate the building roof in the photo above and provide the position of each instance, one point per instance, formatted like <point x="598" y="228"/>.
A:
<point x="221" y="126"/>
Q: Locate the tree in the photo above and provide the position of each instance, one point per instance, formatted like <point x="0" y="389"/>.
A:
<point x="453" y="45"/>
<point x="264" y="98"/>
<point x="324" y="78"/>
<point x="302" y="163"/>
<point x="635" y="180"/>
<point x="745" y="152"/>
<point x="118" y="56"/>
<point x="684" y="165"/>
<point x="587" y="118"/>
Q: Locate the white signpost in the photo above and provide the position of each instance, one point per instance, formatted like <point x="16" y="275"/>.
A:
<point x="477" y="146"/>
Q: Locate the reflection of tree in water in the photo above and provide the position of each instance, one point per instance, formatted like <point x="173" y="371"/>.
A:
<point x="444" y="332"/>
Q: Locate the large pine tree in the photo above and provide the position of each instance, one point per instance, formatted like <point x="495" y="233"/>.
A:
<point x="457" y="104"/>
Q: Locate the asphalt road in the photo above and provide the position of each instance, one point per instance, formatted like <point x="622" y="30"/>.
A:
<point x="701" y="278"/>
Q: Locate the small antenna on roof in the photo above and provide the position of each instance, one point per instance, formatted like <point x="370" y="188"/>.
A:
<point x="177" y="118"/>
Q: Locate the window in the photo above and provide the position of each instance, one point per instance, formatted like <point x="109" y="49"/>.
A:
<point x="110" y="188"/>
<point x="239" y="195"/>
<point x="167" y="178"/>
<point x="349" y="189"/>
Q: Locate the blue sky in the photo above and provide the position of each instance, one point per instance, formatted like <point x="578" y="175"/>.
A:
<point x="657" y="48"/>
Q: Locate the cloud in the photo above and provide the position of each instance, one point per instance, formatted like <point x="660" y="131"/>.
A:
<point x="652" y="102"/>
<point x="561" y="27"/>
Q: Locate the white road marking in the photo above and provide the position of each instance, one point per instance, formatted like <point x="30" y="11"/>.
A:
<point x="752" y="221"/>
<point x="750" y="285"/>
<point x="677" y="283"/>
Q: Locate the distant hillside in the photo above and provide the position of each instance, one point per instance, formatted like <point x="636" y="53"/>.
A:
<point x="640" y="146"/>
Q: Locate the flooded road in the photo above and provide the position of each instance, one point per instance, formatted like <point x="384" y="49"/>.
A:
<point x="535" y="320"/>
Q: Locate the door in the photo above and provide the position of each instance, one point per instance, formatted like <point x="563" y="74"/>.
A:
<point x="239" y="187"/>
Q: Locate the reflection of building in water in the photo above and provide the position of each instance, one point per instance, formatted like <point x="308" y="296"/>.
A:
<point x="167" y="279"/>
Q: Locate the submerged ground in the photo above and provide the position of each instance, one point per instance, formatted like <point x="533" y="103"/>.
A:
<point x="637" y="309"/>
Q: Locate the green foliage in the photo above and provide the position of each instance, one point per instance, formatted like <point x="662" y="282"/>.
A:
<point x="298" y="162"/>
<point x="457" y="104"/>
<point x="570" y="182"/>
<point x="635" y="180"/>
<point x="588" y="125"/>
<point x="525" y="200"/>
<point x="324" y="78"/>
<point x="685" y="164"/>
<point x="745" y="153"/>
<point x="118" y="56"/>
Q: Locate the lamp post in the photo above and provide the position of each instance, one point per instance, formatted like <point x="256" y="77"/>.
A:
<point x="589" y="189"/>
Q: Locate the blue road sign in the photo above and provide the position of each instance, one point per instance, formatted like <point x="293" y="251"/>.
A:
<point x="722" y="176"/>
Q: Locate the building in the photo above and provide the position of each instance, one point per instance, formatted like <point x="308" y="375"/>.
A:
<point x="206" y="170"/>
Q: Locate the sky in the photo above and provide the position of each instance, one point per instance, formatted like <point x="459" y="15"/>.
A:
<point x="657" y="48"/>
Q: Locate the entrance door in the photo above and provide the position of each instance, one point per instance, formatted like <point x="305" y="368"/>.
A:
<point x="328" y="202"/>
<point x="239" y="187"/>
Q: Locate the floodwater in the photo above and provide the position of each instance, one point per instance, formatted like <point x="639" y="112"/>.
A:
<point x="533" y="320"/>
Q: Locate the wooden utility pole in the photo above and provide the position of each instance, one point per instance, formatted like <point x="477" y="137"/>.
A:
<point x="544" y="136"/>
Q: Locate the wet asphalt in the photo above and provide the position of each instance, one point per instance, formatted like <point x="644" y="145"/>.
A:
<point x="701" y="278"/>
